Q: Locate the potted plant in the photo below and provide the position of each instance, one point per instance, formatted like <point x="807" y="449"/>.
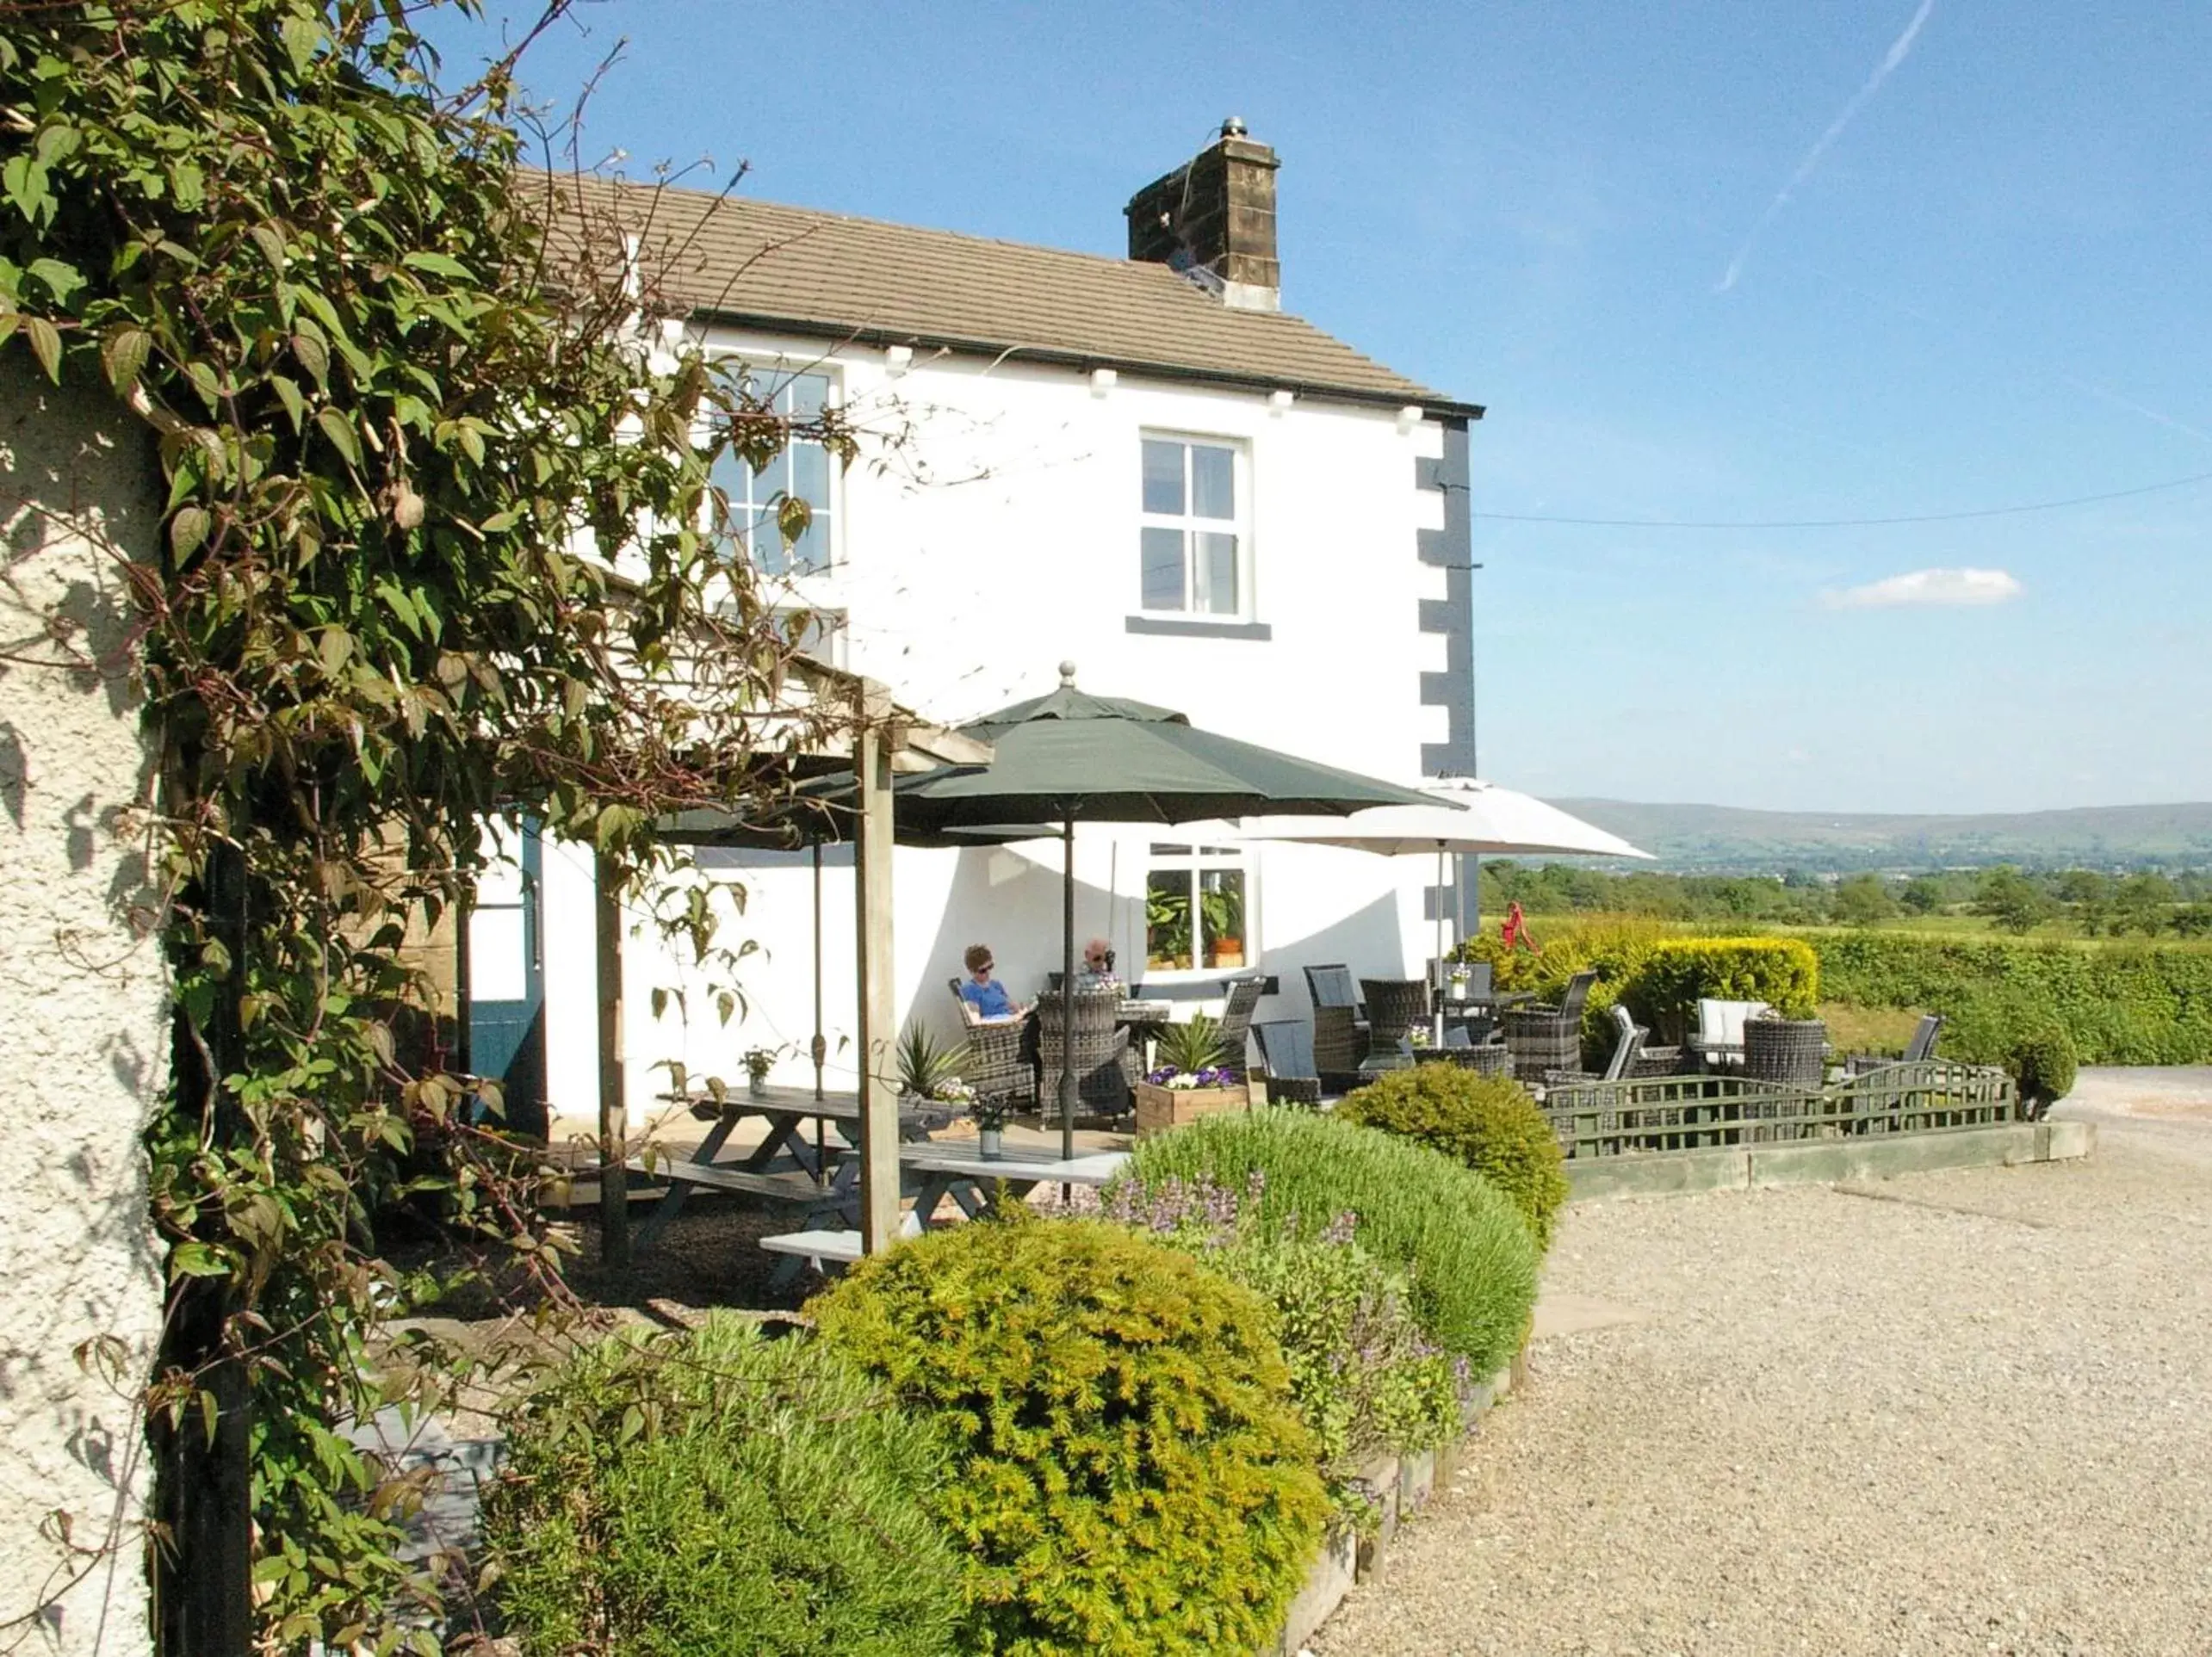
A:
<point x="1195" y="1078"/>
<point x="929" y="1074"/>
<point x="1221" y="910"/>
<point x="759" y="1061"/>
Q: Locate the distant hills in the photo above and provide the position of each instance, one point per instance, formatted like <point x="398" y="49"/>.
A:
<point x="1724" y="837"/>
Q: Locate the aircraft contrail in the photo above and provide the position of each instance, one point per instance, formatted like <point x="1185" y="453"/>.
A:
<point x="1898" y="50"/>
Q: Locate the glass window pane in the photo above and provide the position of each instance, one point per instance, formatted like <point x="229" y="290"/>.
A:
<point x="810" y="467"/>
<point x="1167" y="920"/>
<point x="1221" y="916"/>
<point x="1159" y="850"/>
<point x="810" y="552"/>
<point x="1163" y="477"/>
<point x="1213" y="482"/>
<point x="1216" y="573"/>
<point x="766" y="542"/>
<point x="1163" y="570"/>
<point x="804" y="397"/>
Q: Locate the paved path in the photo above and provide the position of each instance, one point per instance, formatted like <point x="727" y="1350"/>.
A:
<point x="1960" y="1412"/>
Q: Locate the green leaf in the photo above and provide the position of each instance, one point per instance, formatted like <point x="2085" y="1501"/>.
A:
<point x="61" y="280"/>
<point x="302" y="35"/>
<point x="197" y="1260"/>
<point x="288" y="392"/>
<point x="123" y="355"/>
<point x="189" y="529"/>
<point x="336" y="427"/>
<point x="46" y="345"/>
<point x="314" y="357"/>
<point x="437" y="264"/>
<point x="271" y="244"/>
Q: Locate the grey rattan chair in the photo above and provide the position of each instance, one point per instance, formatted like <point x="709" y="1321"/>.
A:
<point x="1545" y="1039"/>
<point x="1395" y="1006"/>
<point x="1790" y="1051"/>
<point x="1002" y="1061"/>
<point x="1244" y="995"/>
<point x="1923" y="1045"/>
<point x="1293" y="1076"/>
<point x="1100" y="1054"/>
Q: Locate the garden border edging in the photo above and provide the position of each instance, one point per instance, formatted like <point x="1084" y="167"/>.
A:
<point x="1401" y="1486"/>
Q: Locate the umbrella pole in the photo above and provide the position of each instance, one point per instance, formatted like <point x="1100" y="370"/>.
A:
<point x="1436" y="990"/>
<point x="819" y="1047"/>
<point x="1067" y="986"/>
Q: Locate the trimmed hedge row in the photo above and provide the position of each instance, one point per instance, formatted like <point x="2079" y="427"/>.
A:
<point x="1666" y="986"/>
<point x="1470" y="1257"/>
<point x="2120" y="1003"/>
<point x="1660" y="974"/>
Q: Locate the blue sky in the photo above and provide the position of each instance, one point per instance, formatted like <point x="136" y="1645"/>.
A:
<point x="1991" y="285"/>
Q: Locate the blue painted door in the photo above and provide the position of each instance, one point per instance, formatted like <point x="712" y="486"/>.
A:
<point x="506" y="974"/>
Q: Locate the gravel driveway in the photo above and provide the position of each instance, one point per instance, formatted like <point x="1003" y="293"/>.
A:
<point x="1967" y="1412"/>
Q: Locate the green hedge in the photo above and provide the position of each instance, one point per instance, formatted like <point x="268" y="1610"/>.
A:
<point x="1675" y="975"/>
<point x="1659" y="974"/>
<point x="1133" y="1475"/>
<point x="2119" y="1003"/>
<point x="1489" y="1123"/>
<point x="715" y="1494"/>
<point x="1459" y="1237"/>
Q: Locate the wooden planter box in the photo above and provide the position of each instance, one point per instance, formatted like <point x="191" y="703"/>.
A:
<point x="1162" y="1108"/>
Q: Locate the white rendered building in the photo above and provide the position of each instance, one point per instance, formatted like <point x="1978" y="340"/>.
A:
<point x="1144" y="467"/>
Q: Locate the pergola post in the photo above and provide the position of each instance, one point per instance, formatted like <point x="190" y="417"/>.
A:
<point x="873" y="744"/>
<point x="614" y="1097"/>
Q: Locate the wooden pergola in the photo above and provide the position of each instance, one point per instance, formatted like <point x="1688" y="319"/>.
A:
<point x="876" y="740"/>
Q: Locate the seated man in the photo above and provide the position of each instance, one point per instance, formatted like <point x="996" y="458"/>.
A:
<point x="987" y="998"/>
<point x="1098" y="966"/>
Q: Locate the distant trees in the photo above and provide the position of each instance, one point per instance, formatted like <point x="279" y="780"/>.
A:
<point x="2013" y="901"/>
<point x="2092" y="902"/>
<point x="1862" y="900"/>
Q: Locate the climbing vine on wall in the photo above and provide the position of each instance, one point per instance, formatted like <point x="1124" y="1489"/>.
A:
<point x="384" y="403"/>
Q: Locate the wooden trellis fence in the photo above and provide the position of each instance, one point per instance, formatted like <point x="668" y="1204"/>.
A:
<point x="1689" y="1113"/>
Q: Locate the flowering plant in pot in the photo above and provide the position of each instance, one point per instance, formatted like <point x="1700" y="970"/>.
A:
<point x="759" y="1061"/>
<point x="1196" y="1075"/>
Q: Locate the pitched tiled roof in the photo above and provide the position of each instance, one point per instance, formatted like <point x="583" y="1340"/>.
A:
<point x="796" y="270"/>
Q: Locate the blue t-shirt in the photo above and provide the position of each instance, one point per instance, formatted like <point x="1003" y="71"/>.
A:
<point x="990" y="999"/>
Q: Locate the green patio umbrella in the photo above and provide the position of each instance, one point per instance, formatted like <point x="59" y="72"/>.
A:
<point x="1068" y="755"/>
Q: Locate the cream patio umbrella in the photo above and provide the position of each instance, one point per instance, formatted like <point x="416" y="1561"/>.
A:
<point x="1464" y="815"/>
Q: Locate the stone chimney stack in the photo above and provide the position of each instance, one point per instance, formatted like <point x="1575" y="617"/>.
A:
<point x="1214" y="220"/>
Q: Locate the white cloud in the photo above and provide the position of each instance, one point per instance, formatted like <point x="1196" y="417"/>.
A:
<point x="1931" y="587"/>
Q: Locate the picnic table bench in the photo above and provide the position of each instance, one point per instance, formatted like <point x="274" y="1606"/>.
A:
<point x="938" y="1169"/>
<point x="763" y="1171"/>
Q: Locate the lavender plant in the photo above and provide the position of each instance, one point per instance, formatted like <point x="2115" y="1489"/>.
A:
<point x="1365" y="1378"/>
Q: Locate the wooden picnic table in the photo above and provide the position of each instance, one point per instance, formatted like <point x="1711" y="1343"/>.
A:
<point x="956" y="1168"/>
<point x="936" y="1169"/>
<point x="789" y="1112"/>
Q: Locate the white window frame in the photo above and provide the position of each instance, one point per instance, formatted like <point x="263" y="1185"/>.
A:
<point x="1198" y="855"/>
<point x="773" y="372"/>
<point x="1240" y="523"/>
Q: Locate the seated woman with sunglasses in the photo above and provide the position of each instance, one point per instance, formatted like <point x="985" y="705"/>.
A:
<point x="987" y="998"/>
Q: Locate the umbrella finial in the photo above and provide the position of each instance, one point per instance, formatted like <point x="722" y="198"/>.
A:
<point x="1068" y="676"/>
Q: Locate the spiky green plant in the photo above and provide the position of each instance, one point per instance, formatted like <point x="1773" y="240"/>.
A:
<point x="1193" y="1046"/>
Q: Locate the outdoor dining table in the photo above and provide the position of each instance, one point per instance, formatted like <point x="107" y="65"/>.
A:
<point x="936" y="1169"/>
<point x="788" y="1113"/>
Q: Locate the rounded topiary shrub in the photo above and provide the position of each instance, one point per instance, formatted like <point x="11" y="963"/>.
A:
<point x="2043" y="1064"/>
<point x="1469" y="1258"/>
<point x="716" y="1494"/>
<point x="1489" y="1123"/>
<point x="1130" y="1473"/>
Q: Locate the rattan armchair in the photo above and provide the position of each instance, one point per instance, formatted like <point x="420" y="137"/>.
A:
<point x="1547" y="1039"/>
<point x="1395" y="1006"/>
<point x="1101" y="1059"/>
<point x="1293" y="1076"/>
<point x="1236" y="1025"/>
<point x="1002" y="1061"/>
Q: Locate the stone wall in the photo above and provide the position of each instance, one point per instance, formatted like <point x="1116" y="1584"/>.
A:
<point x="83" y="995"/>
